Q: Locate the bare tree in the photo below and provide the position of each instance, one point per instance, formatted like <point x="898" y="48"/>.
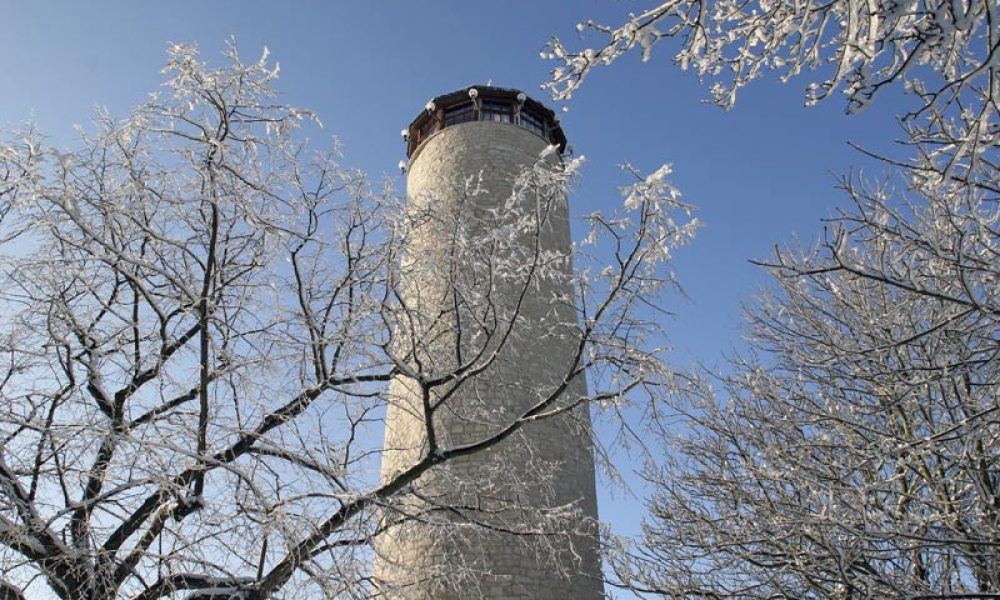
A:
<point x="854" y="451"/>
<point x="945" y="54"/>
<point x="201" y="318"/>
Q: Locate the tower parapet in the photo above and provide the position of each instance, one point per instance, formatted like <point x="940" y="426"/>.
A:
<point x="486" y="278"/>
<point x="484" y="103"/>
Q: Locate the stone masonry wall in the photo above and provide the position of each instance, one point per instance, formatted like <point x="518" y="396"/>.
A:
<point x="541" y="479"/>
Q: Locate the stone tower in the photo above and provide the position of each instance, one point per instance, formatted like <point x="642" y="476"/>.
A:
<point x="485" y="279"/>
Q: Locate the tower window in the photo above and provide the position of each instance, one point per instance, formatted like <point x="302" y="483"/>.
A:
<point x="532" y="123"/>
<point x="459" y="113"/>
<point x="496" y="111"/>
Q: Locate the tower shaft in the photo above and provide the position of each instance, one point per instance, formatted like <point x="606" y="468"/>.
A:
<point x="486" y="282"/>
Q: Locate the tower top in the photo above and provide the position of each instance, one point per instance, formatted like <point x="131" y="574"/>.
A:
<point x="484" y="103"/>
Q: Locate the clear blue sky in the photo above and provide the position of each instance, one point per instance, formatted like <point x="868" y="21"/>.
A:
<point x="759" y="174"/>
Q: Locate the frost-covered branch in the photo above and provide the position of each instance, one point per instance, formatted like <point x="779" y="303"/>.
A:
<point x="944" y="54"/>
<point x="850" y="453"/>
<point x="202" y="318"/>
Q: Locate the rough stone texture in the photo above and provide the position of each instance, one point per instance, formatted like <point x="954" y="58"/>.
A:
<point x="541" y="479"/>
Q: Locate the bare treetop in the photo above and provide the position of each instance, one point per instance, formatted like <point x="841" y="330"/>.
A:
<point x="201" y="317"/>
<point x="946" y="54"/>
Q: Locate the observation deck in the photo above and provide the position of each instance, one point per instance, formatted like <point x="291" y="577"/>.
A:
<point x="484" y="103"/>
